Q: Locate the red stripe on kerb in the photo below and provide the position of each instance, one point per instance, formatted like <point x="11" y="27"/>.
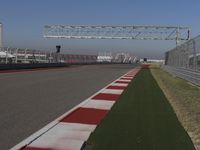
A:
<point x="85" y="115"/>
<point x="35" y="148"/>
<point x="122" y="81"/>
<point x="105" y="96"/>
<point x="116" y="87"/>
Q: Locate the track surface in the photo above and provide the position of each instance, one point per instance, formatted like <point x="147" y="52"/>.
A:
<point x="30" y="100"/>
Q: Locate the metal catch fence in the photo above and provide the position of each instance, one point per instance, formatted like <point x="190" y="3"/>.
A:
<point x="184" y="61"/>
<point x="187" y="55"/>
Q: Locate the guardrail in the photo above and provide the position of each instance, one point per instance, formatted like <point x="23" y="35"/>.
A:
<point x="187" y="74"/>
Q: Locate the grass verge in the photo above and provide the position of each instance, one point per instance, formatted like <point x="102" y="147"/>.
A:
<point x="141" y="120"/>
<point x="185" y="100"/>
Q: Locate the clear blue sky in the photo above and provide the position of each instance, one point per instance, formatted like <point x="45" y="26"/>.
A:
<point x="23" y="22"/>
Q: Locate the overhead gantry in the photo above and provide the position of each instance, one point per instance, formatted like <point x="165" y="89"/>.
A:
<point x="133" y="32"/>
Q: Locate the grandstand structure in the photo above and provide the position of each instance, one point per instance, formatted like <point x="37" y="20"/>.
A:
<point x="104" y="57"/>
<point x="124" y="58"/>
<point x="17" y="55"/>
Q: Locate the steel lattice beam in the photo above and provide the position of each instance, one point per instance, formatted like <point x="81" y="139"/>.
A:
<point x="117" y="32"/>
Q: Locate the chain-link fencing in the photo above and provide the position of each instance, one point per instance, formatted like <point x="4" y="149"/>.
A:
<point x="186" y="55"/>
<point x="184" y="61"/>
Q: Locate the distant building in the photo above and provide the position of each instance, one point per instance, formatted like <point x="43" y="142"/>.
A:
<point x="104" y="57"/>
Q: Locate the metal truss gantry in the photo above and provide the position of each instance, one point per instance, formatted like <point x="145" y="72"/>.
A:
<point x="117" y="32"/>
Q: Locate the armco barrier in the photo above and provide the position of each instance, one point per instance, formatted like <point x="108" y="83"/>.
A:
<point x="187" y="74"/>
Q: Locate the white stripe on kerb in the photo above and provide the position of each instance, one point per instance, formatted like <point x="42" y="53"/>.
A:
<point x="62" y="137"/>
<point x="58" y="144"/>
<point x="99" y="104"/>
<point x="112" y="91"/>
<point x="78" y="126"/>
<point x="119" y="84"/>
<point x="129" y="78"/>
<point x="124" y="80"/>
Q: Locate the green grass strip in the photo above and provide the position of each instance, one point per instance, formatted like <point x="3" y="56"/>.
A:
<point x="141" y="120"/>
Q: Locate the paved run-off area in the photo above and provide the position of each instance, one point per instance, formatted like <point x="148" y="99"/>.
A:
<point x="142" y="119"/>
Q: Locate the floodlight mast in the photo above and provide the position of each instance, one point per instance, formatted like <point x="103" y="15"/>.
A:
<point x="117" y="32"/>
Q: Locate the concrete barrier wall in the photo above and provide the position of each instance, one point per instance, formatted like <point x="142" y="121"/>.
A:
<point x="45" y="65"/>
<point x="31" y="66"/>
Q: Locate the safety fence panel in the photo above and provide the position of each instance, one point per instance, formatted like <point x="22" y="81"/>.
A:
<point x="186" y="55"/>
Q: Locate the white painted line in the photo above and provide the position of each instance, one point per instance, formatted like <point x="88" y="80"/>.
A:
<point x="99" y="104"/>
<point x="120" y="84"/>
<point x="112" y="91"/>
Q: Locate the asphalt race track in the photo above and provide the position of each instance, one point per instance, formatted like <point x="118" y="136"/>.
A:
<point x="30" y="100"/>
